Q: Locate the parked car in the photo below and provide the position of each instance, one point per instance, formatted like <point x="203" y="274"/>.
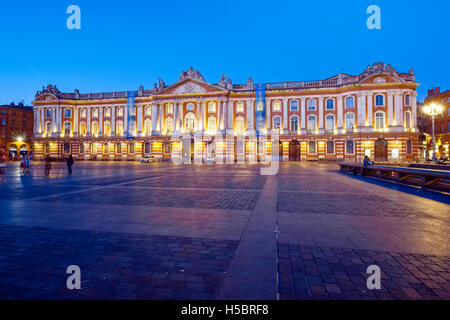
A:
<point x="148" y="159"/>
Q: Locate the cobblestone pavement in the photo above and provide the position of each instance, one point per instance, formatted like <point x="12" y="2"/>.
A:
<point x="160" y="231"/>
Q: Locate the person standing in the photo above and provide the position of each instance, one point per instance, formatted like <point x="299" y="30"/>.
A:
<point x="48" y="165"/>
<point x="70" y="164"/>
<point x="366" y="163"/>
<point x="27" y="164"/>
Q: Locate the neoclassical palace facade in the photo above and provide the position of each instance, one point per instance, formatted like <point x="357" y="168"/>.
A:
<point x="342" y="117"/>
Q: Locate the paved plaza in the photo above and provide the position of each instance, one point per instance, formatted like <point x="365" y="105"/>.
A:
<point x="161" y="231"/>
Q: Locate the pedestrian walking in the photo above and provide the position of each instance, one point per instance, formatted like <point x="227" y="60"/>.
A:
<point x="70" y="164"/>
<point x="366" y="163"/>
<point x="48" y="165"/>
<point x="27" y="164"/>
<point x="23" y="166"/>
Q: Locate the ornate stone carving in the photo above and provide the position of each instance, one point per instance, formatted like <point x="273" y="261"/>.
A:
<point x="50" y="89"/>
<point x="379" y="68"/>
<point x="191" y="74"/>
<point x="229" y="84"/>
<point x="250" y="83"/>
<point x="141" y="91"/>
<point x="223" y="81"/>
<point x="189" y="87"/>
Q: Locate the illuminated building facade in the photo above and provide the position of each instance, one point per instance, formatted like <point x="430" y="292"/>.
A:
<point x="342" y="117"/>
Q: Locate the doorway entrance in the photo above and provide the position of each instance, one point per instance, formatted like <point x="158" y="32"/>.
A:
<point x="294" y="150"/>
<point x="381" y="150"/>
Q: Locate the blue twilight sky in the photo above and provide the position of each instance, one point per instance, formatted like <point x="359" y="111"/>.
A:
<point x="123" y="44"/>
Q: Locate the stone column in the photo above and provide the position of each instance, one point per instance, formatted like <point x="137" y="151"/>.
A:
<point x="414" y="110"/>
<point x="139" y="121"/>
<point x="53" y="121"/>
<point x="285" y="116"/>
<point x="390" y="105"/>
<point x="399" y="110"/>
<point x="361" y="111"/>
<point x="250" y="116"/>
<point x="370" y="110"/>
<point x="154" y="118"/>
<point x="321" y="129"/>
<point x="125" y="120"/>
<point x="230" y="114"/>
<point x="303" y="115"/>
<point x="113" y="121"/>
<point x="88" y="121"/>
<point x="75" y="121"/>
<point x="100" y="121"/>
<point x="203" y="116"/>
<point x="268" y="115"/>
<point x="42" y="118"/>
<point x="180" y="116"/>
<point x="175" y="116"/>
<point x="200" y="115"/>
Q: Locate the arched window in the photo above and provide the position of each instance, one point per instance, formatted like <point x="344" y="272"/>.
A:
<point x="211" y="123"/>
<point x="108" y="112"/>
<point x="379" y="100"/>
<point x="349" y="147"/>
<point x="83" y="113"/>
<point x="67" y="113"/>
<point x="349" y="102"/>
<point x="311" y="105"/>
<point x="66" y="148"/>
<point x="120" y="112"/>
<point x="189" y="121"/>
<point x="118" y="148"/>
<point x="148" y="111"/>
<point x="95" y="113"/>
<point x="276" y="122"/>
<point x="107" y="128"/>
<point x="294" y="105"/>
<point x="312" y="147"/>
<point x="169" y="124"/>
<point x="408" y="119"/>
<point x="169" y="108"/>
<point x="83" y="128"/>
<point x="312" y="123"/>
<point x="147" y="127"/>
<point x="49" y="127"/>
<point x="330" y="104"/>
<point x="106" y="148"/>
<point x="329" y="124"/>
<point x="95" y="128"/>
<point x="330" y="147"/>
<point x="294" y="123"/>
<point x="147" y="149"/>
<point x="119" y="128"/>
<point x="239" y="124"/>
<point x="350" y="121"/>
<point x="212" y="107"/>
<point x="379" y="120"/>
<point x="67" y="127"/>
<point x="276" y="106"/>
<point x="239" y="107"/>
<point x="94" y="148"/>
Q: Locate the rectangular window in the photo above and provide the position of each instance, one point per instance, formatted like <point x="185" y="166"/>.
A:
<point x="311" y="105"/>
<point x="82" y="148"/>
<point x="131" y="147"/>
<point x="312" y="147"/>
<point x="409" y="147"/>
<point x="330" y="147"/>
<point x="350" y="147"/>
<point x="294" y="105"/>
<point x="4" y="122"/>
<point x="119" y="148"/>
<point x="407" y="100"/>
<point x="379" y="100"/>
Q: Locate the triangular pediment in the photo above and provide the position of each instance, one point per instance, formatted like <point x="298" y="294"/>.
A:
<point x="191" y="86"/>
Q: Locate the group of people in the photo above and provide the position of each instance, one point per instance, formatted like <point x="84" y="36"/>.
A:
<point x="25" y="165"/>
<point x="48" y="164"/>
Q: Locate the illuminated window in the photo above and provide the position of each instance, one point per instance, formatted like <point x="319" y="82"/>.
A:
<point x="119" y="148"/>
<point x="131" y="147"/>
<point x="312" y="147"/>
<point x="95" y="128"/>
<point x="147" y="149"/>
<point x="379" y="100"/>
<point x="239" y="107"/>
<point x="311" y="105"/>
<point x="67" y="113"/>
<point x="239" y="124"/>
<point x="349" y="102"/>
<point x="211" y="123"/>
<point x="294" y="123"/>
<point x="379" y="120"/>
<point x="148" y="127"/>
<point x="108" y="112"/>
<point x="148" y="111"/>
<point x="276" y="122"/>
<point x="330" y="104"/>
<point x="120" y="112"/>
<point x="83" y="128"/>
<point x="49" y="127"/>
<point x="95" y="113"/>
<point x="81" y="148"/>
<point x="106" y="148"/>
<point x="311" y="123"/>
<point x="211" y="107"/>
<point x="169" y="108"/>
<point x="67" y="127"/>
<point x="329" y="124"/>
<point x="169" y="124"/>
<point x="107" y="128"/>
<point x="350" y="121"/>
<point x="190" y="121"/>
<point x="83" y="113"/>
<point x="94" y="148"/>
<point x="276" y="106"/>
<point x="119" y="128"/>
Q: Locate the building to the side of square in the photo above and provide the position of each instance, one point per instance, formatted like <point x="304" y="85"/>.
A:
<point x="342" y="117"/>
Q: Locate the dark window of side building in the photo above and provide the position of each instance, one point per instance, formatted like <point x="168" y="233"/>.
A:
<point x="409" y="147"/>
<point x="24" y="123"/>
<point x="4" y="122"/>
<point x="13" y="122"/>
<point x="330" y="147"/>
<point x="3" y="111"/>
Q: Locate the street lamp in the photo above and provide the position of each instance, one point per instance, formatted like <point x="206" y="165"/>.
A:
<point x="433" y="110"/>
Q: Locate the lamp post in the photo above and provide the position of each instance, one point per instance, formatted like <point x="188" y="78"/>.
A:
<point x="433" y="110"/>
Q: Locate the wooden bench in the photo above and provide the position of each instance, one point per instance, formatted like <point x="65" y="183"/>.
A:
<point x="2" y="168"/>
<point x="428" y="177"/>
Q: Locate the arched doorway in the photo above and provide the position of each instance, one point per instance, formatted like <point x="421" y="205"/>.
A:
<point x="294" y="150"/>
<point x="381" y="150"/>
<point x="13" y="152"/>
